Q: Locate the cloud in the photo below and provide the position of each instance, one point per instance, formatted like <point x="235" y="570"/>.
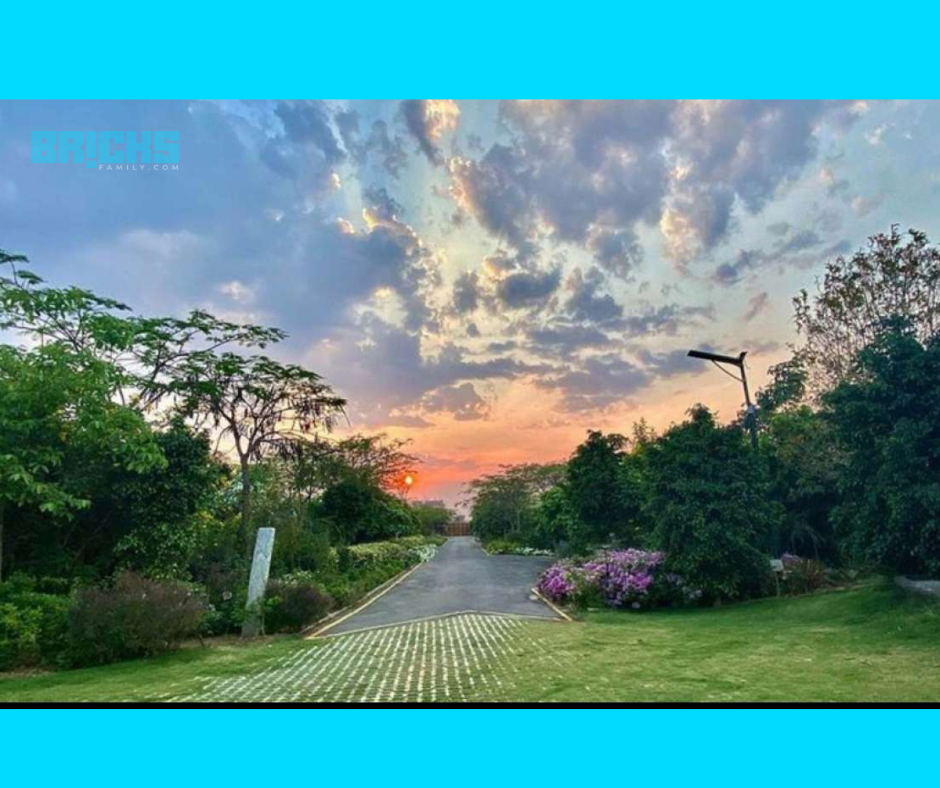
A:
<point x="757" y="304"/>
<point x="383" y="369"/>
<point x="388" y="149"/>
<point x="527" y="288"/>
<point x="461" y="401"/>
<point x="588" y="172"/>
<point x="862" y="206"/>
<point x="600" y="382"/>
<point x="585" y="303"/>
<point x="466" y="295"/>
<point x="560" y="338"/>
<point x="427" y="120"/>
<point x="792" y="247"/>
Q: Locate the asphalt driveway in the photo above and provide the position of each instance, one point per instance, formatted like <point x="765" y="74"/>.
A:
<point x="461" y="577"/>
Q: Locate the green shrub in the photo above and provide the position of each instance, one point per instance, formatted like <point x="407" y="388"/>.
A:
<point x="708" y="503"/>
<point x="226" y="590"/>
<point x="135" y="617"/>
<point x="294" y="602"/>
<point x="33" y="628"/>
<point x="803" y="575"/>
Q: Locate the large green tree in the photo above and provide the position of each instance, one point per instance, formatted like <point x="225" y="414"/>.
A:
<point x="57" y="421"/>
<point x="886" y="418"/>
<point x="603" y="489"/>
<point x="260" y="406"/>
<point x="709" y="506"/>
<point x="893" y="277"/>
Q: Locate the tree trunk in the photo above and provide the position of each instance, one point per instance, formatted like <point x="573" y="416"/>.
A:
<point x="246" y="495"/>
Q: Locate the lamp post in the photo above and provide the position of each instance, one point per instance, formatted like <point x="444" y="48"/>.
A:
<point x="735" y="361"/>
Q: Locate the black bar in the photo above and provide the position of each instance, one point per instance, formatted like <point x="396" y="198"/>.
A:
<point x="738" y="361"/>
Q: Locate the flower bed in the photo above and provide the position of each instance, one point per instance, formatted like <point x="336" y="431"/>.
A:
<point x="633" y="579"/>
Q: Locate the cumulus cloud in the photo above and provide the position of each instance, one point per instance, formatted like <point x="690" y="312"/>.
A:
<point x="427" y="120"/>
<point x="527" y="288"/>
<point x="388" y="370"/>
<point x="599" y="382"/>
<point x="461" y="401"/>
<point x="466" y="295"/>
<point x="587" y="173"/>
<point x="791" y="247"/>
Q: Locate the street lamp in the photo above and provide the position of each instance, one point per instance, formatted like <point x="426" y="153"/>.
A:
<point x="735" y="361"/>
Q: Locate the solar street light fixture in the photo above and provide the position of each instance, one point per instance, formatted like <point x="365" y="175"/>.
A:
<point x="734" y="361"/>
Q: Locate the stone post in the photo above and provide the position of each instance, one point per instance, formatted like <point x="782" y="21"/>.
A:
<point x="258" y="580"/>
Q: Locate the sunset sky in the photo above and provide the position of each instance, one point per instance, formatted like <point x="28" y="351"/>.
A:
<point x="487" y="279"/>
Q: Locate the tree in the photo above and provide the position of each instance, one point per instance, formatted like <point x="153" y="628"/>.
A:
<point x="153" y="521"/>
<point x="361" y="512"/>
<point x="803" y="461"/>
<point x="57" y="419"/>
<point x="709" y="506"/>
<point x="504" y="504"/>
<point x="145" y="353"/>
<point x="886" y="418"/>
<point x="890" y="278"/>
<point x="602" y="493"/>
<point x="431" y="517"/>
<point x="262" y="406"/>
<point x="375" y="459"/>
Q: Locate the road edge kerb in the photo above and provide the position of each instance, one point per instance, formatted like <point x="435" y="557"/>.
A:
<point x="558" y="611"/>
<point x="347" y="612"/>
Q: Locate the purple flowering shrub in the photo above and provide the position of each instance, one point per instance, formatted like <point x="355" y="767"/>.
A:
<point x="631" y="578"/>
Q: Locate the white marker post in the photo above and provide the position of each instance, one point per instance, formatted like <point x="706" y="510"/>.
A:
<point x="258" y="581"/>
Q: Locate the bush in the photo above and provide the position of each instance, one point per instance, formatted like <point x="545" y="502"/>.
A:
<point x="633" y="579"/>
<point x="135" y="617"/>
<point x="509" y="547"/>
<point x="803" y="575"/>
<point x="33" y="628"/>
<point x="886" y="419"/>
<point x="294" y="602"/>
<point x="709" y="506"/>
<point x="360" y="512"/>
<point x="226" y="590"/>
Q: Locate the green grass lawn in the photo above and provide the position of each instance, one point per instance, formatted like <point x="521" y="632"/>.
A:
<point x="864" y="644"/>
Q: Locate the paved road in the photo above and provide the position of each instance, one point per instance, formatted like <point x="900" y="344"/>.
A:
<point x="461" y="577"/>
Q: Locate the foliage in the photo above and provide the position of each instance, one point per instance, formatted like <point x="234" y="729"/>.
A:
<point x="786" y="389"/>
<point x="557" y="523"/>
<point x="601" y="492"/>
<point x="709" y="508"/>
<point x="263" y="406"/>
<point x="375" y="460"/>
<point x="32" y="627"/>
<point x="886" y="418"/>
<point x="167" y="509"/>
<point x="293" y="602"/>
<point x="146" y="353"/>
<point x="363" y="567"/>
<point x="58" y="427"/>
<point x="135" y="617"/>
<point x="361" y="512"/>
<point x="431" y="518"/>
<point x="891" y="278"/>
<point x="634" y="579"/>
<point x="505" y="504"/>
<point x="803" y="575"/>
<point x="802" y="462"/>
<point x="508" y="547"/>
